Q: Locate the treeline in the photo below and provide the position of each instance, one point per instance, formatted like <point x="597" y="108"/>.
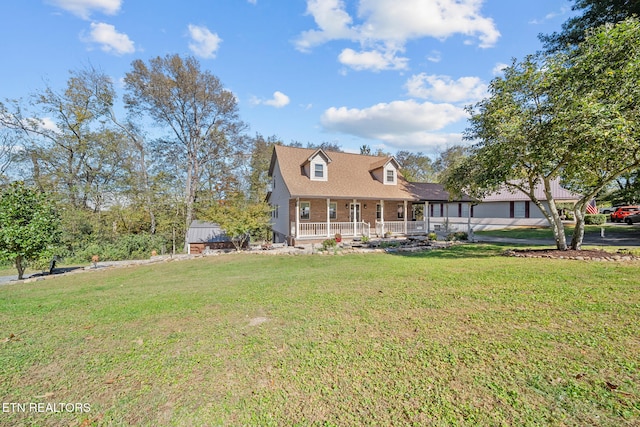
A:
<point x="129" y="180"/>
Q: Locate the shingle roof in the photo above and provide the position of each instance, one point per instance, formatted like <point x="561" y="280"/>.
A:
<point x="433" y="192"/>
<point x="205" y="232"/>
<point x="559" y="194"/>
<point x="349" y="176"/>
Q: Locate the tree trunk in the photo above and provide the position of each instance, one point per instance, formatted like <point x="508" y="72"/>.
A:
<point x="553" y="216"/>
<point x="20" y="267"/>
<point x="578" y="230"/>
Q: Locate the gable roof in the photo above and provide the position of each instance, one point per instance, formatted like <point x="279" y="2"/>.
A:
<point x="350" y="176"/>
<point x="432" y="192"/>
<point x="205" y="232"/>
<point x="559" y="194"/>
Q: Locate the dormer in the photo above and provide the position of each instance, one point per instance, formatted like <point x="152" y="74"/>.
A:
<point x="386" y="171"/>
<point x="316" y="167"/>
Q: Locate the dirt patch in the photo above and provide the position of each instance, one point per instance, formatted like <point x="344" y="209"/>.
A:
<point x="585" y="255"/>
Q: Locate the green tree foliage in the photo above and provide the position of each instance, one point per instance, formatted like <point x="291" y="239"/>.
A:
<point x="241" y="219"/>
<point x="566" y="116"/>
<point x="416" y="167"/>
<point x="258" y="175"/>
<point x="595" y="13"/>
<point x="69" y="140"/>
<point x="29" y="226"/>
<point x="201" y="117"/>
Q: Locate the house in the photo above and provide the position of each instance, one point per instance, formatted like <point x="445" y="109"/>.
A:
<point x="317" y="194"/>
<point x="203" y="235"/>
<point x="506" y="208"/>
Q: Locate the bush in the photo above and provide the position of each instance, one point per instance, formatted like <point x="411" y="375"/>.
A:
<point x="432" y="236"/>
<point x="130" y="246"/>
<point x="328" y="244"/>
<point x="458" y="235"/>
<point x="597" y="219"/>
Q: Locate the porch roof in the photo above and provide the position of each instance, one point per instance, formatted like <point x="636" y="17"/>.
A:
<point x="349" y="176"/>
<point x="432" y="192"/>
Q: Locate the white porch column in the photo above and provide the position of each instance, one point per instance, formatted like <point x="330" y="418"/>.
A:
<point x="405" y="215"/>
<point x="426" y="216"/>
<point x="328" y="218"/>
<point x="382" y="218"/>
<point x="297" y="218"/>
<point x="354" y="218"/>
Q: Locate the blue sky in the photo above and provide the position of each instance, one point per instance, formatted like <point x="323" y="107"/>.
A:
<point x="393" y="74"/>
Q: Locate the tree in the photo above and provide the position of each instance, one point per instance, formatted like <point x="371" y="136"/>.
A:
<point x="595" y="13"/>
<point x="200" y="114"/>
<point x="29" y="226"/>
<point x="241" y="219"/>
<point x="258" y="176"/>
<point x="68" y="140"/>
<point x="599" y="111"/>
<point x="415" y="167"/>
<point x="569" y="116"/>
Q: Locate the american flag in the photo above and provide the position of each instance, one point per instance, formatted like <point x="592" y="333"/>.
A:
<point x="591" y="207"/>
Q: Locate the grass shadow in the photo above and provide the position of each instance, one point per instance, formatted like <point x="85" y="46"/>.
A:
<point x="462" y="251"/>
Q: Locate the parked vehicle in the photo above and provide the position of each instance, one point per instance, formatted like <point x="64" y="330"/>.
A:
<point x="633" y="218"/>
<point x="623" y="211"/>
<point x="609" y="210"/>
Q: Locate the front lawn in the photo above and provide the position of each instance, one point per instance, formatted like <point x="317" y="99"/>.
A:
<point x="452" y="337"/>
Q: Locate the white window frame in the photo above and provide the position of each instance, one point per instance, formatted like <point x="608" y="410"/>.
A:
<point x="304" y="217"/>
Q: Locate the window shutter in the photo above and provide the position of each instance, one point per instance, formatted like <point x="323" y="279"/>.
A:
<point x="527" y="209"/>
<point x="512" y="209"/>
<point x="459" y="210"/>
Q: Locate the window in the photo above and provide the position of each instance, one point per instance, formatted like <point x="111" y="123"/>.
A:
<point x="400" y="211"/>
<point x="391" y="176"/>
<point x="319" y="170"/>
<point x="519" y="210"/>
<point x="305" y="210"/>
<point x="378" y="211"/>
<point x="333" y="207"/>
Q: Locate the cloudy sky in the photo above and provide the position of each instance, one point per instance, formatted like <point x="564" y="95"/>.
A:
<point x="393" y="74"/>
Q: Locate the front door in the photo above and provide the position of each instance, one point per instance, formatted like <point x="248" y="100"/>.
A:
<point x="355" y="212"/>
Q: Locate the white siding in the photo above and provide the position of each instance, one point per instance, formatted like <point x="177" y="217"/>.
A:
<point x="279" y="198"/>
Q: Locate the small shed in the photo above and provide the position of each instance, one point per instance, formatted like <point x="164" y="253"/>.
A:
<point x="204" y="235"/>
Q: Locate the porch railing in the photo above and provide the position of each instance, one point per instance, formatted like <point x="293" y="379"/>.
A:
<point x="398" y="227"/>
<point x="346" y="229"/>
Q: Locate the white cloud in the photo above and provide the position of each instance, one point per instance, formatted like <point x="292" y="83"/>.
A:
<point x="434" y="56"/>
<point x="399" y="123"/>
<point x="205" y="43"/>
<point x="386" y="25"/>
<point x="372" y="60"/>
<point x="83" y="8"/>
<point x="332" y="20"/>
<point x="279" y="100"/>
<point x="109" y="39"/>
<point x="499" y="68"/>
<point x="444" y="88"/>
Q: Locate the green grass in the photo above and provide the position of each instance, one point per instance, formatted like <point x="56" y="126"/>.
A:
<point x="452" y="337"/>
<point x="546" y="233"/>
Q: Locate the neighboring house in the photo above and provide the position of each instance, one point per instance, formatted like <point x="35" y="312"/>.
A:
<point x="317" y="194"/>
<point x="206" y="235"/>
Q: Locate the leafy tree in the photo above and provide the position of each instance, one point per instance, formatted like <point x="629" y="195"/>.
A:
<point x="566" y="116"/>
<point x="594" y="14"/>
<point x="258" y="175"/>
<point x="241" y="219"/>
<point x="599" y="110"/>
<point x="448" y="159"/>
<point x="29" y="226"/>
<point x="200" y="114"/>
<point x="73" y="150"/>
<point x="415" y="167"/>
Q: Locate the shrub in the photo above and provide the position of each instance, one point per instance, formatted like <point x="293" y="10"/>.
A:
<point x="458" y="235"/>
<point x="432" y="237"/>
<point x="328" y="244"/>
<point x="597" y="219"/>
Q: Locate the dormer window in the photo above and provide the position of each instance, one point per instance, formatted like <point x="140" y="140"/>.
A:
<point x="319" y="171"/>
<point x="391" y="176"/>
<point x="316" y="167"/>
